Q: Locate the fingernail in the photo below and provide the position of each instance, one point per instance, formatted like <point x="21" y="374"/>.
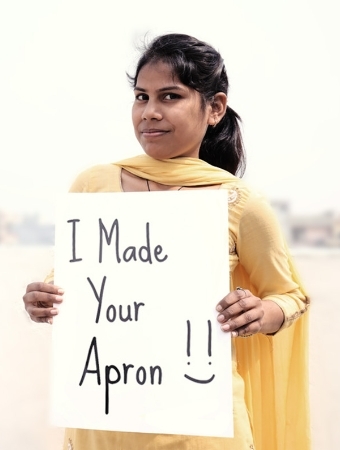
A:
<point x="54" y="312"/>
<point x="220" y="318"/>
<point x="50" y="320"/>
<point x="61" y="291"/>
<point x="234" y="333"/>
<point x="225" y="327"/>
<point x="218" y="308"/>
<point x="58" y="298"/>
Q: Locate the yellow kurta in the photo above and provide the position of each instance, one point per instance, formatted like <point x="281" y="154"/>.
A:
<point x="270" y="383"/>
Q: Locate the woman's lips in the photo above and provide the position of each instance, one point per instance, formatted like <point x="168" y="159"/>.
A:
<point x="153" y="132"/>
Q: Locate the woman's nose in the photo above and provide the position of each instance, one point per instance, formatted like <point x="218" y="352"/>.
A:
<point x="151" y="111"/>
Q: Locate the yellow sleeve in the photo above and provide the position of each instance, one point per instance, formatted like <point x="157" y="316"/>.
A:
<point x="263" y="253"/>
<point x="50" y="277"/>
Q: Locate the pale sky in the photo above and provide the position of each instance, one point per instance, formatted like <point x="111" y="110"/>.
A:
<point x="65" y="101"/>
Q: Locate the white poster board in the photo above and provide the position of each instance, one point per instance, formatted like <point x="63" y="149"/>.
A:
<point x="136" y="345"/>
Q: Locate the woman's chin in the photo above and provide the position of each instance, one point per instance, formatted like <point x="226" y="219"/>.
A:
<point x="158" y="154"/>
<point x="166" y="154"/>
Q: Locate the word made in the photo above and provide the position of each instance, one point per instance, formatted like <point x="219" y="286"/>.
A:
<point x="146" y="253"/>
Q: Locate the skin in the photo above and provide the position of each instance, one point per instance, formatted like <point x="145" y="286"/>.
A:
<point x="41" y="300"/>
<point x="169" y="122"/>
<point x="167" y="116"/>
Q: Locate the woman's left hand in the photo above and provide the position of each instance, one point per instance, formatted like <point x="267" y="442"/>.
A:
<point x="241" y="313"/>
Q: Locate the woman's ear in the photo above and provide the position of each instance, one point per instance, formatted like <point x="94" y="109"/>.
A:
<point x="218" y="108"/>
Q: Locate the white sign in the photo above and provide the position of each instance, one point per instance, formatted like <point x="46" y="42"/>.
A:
<point x="136" y="345"/>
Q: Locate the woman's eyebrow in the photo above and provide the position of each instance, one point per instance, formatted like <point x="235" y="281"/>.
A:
<point x="173" y="87"/>
<point x="165" y="88"/>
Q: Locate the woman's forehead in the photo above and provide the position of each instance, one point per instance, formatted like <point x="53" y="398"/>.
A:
<point x="160" y="71"/>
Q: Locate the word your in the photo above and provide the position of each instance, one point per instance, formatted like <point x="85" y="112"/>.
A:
<point x="111" y="312"/>
<point x="144" y="253"/>
<point x="114" y="375"/>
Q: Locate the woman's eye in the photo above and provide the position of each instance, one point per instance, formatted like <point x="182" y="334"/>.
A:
<point x="171" y="96"/>
<point x="141" y="97"/>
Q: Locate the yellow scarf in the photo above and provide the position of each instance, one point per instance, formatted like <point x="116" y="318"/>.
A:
<point x="274" y="368"/>
<point x="186" y="171"/>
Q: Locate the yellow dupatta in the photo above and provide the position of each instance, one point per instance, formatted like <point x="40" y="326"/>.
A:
<point x="274" y="368"/>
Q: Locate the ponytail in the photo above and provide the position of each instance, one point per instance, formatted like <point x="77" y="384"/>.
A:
<point x="222" y="145"/>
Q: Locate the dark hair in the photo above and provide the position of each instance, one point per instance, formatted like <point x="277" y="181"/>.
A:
<point x="201" y="67"/>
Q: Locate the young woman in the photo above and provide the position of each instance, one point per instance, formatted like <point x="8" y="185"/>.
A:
<point x="191" y="140"/>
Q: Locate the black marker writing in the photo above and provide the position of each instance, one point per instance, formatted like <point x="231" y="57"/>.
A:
<point x="140" y="377"/>
<point x="74" y="259"/>
<point x="143" y="253"/>
<point x="111" y="311"/>
<point x="209" y="338"/>
<point x="195" y="380"/>
<point x="108" y="237"/>
<point x="114" y="374"/>
<point x="188" y="337"/>
<point x="93" y="347"/>
<point x="98" y="297"/>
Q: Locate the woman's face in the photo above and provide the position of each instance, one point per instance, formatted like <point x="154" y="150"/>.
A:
<point x="167" y="115"/>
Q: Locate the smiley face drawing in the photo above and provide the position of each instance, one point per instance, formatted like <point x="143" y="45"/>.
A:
<point x="196" y="380"/>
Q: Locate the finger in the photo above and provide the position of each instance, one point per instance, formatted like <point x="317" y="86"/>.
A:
<point x="42" y="319"/>
<point x="42" y="314"/>
<point x="240" y="321"/>
<point x="235" y="305"/>
<point x="249" y="330"/>
<point x="44" y="287"/>
<point x="231" y="298"/>
<point x="41" y="298"/>
<point x="241" y="289"/>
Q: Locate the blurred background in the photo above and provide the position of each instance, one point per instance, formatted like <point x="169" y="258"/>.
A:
<point x="65" y="105"/>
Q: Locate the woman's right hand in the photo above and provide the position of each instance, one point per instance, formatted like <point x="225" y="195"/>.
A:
<point x="39" y="300"/>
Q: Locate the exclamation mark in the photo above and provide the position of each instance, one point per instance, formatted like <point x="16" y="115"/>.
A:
<point x="209" y="339"/>
<point x="188" y="339"/>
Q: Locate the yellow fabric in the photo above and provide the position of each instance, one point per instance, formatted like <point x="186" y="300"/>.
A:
<point x="273" y="384"/>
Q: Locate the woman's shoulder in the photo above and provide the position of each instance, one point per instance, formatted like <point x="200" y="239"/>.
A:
<point x="243" y="199"/>
<point x="238" y="192"/>
<point x="98" y="178"/>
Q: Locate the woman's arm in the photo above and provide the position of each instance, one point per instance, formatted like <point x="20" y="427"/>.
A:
<point x="274" y="298"/>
